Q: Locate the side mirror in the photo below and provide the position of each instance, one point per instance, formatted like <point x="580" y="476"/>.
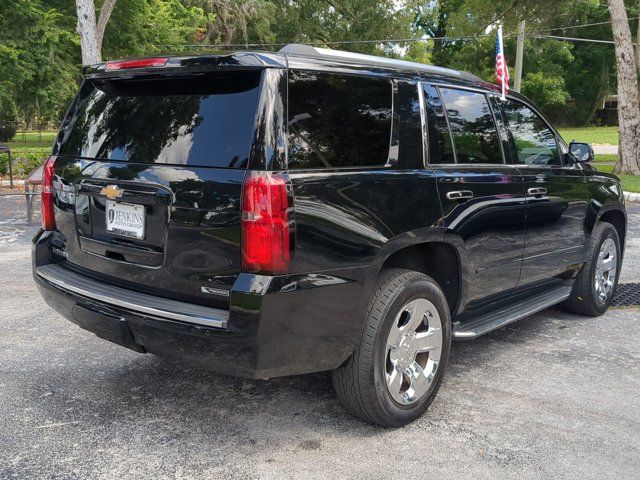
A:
<point x="582" y="152"/>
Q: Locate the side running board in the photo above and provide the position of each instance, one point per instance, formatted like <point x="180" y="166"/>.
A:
<point x="488" y="322"/>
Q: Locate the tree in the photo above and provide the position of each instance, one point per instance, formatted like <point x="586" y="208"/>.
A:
<point x="628" y="102"/>
<point x="554" y="71"/>
<point x="331" y="22"/>
<point x="152" y="27"/>
<point x="38" y="61"/>
<point x="92" y="31"/>
<point x="234" y="21"/>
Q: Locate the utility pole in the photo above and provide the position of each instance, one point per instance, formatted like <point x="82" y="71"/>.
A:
<point x="519" y="55"/>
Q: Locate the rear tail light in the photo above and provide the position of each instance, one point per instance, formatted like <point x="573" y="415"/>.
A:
<point x="140" y="63"/>
<point x="48" y="217"/>
<point x="265" y="223"/>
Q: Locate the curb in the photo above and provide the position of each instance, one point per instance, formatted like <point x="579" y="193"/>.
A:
<point x="16" y="183"/>
<point x="632" y="197"/>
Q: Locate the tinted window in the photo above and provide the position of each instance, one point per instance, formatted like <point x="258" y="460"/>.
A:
<point x="409" y="126"/>
<point x="338" y="120"/>
<point x="533" y="140"/>
<point x="474" y="131"/>
<point x="205" y="120"/>
<point x="440" y="146"/>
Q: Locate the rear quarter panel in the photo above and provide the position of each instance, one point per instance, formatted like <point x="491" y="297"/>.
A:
<point x="351" y="221"/>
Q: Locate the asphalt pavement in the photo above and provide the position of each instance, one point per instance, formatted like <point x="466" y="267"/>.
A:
<point x="552" y="396"/>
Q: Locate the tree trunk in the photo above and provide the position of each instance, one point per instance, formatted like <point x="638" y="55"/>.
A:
<point x="638" y="39"/>
<point x="103" y="19"/>
<point x="628" y="102"/>
<point x="87" y="30"/>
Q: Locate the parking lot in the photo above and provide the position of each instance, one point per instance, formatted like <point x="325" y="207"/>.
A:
<point x="552" y="396"/>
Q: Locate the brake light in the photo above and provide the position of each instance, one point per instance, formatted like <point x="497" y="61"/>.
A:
<point x="48" y="217"/>
<point x="265" y="223"/>
<point x="140" y="63"/>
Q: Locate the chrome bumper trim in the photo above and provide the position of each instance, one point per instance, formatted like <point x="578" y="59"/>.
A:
<point x="157" y="307"/>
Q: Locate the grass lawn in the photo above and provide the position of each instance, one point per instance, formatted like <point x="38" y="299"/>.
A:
<point x="606" y="158"/>
<point x="27" y="155"/>
<point x="35" y="143"/>
<point x="630" y="183"/>
<point x="593" y="135"/>
<point x="35" y="137"/>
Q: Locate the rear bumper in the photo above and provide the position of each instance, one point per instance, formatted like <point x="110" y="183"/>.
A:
<point x="139" y="303"/>
<point x="275" y="326"/>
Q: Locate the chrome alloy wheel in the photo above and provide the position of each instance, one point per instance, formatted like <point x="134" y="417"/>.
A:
<point x="413" y="351"/>
<point x="606" y="270"/>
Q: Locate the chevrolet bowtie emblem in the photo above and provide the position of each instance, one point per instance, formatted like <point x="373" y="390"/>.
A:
<point x="111" y="192"/>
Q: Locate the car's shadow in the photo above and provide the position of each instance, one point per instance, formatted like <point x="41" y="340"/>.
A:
<point x="156" y="396"/>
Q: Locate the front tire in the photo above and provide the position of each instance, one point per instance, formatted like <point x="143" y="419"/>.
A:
<point x="400" y="361"/>
<point x="596" y="283"/>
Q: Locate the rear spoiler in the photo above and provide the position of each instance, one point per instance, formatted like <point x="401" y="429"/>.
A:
<point x="203" y="63"/>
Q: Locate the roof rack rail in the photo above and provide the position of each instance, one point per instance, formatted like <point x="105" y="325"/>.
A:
<point x="300" y="50"/>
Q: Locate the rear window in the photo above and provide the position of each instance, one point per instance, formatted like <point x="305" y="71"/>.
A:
<point x="204" y="120"/>
<point x="338" y="120"/>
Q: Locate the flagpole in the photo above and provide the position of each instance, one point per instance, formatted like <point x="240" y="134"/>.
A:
<point x="504" y="63"/>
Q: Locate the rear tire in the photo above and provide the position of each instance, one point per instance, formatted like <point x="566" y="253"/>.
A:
<point x="596" y="283"/>
<point x="399" y="363"/>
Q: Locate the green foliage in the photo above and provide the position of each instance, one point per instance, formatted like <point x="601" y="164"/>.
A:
<point x="150" y="27"/>
<point x="419" y="52"/>
<point x="545" y="90"/>
<point x="7" y="132"/>
<point x="24" y="163"/>
<point x="40" y="53"/>
<point x="38" y="60"/>
<point x="573" y="76"/>
<point x="236" y="21"/>
<point x="346" y="20"/>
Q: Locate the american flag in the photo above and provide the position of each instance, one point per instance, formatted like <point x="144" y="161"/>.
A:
<point x="502" y="70"/>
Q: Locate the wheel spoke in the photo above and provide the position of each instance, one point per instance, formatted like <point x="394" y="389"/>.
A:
<point x="394" y="382"/>
<point x="418" y="382"/>
<point x="427" y="341"/>
<point x="393" y="357"/>
<point x="609" y="263"/>
<point x="394" y="334"/>
<point x="417" y="312"/>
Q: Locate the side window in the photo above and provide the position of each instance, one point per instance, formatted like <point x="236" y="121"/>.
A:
<point x="410" y="153"/>
<point x="439" y="137"/>
<point x="473" y="128"/>
<point x="532" y="140"/>
<point x="338" y="120"/>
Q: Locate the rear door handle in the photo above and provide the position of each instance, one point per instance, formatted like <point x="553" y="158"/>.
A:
<point x="537" y="191"/>
<point x="460" y="195"/>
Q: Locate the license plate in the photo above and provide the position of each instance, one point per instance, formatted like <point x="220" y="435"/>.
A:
<point x="125" y="219"/>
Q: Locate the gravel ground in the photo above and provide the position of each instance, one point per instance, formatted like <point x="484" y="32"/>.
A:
<point x="552" y="396"/>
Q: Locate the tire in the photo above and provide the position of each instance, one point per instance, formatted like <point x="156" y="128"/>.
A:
<point x="361" y="383"/>
<point x="585" y="298"/>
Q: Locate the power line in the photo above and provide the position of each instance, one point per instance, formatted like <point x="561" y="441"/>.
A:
<point x="409" y="40"/>
<point x="319" y="44"/>
<point x="386" y="40"/>
<point x="573" y="39"/>
<point x="583" y="25"/>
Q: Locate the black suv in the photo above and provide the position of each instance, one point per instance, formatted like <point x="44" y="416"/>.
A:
<point x="273" y="214"/>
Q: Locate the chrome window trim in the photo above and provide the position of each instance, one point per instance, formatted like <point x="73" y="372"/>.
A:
<point x="424" y="128"/>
